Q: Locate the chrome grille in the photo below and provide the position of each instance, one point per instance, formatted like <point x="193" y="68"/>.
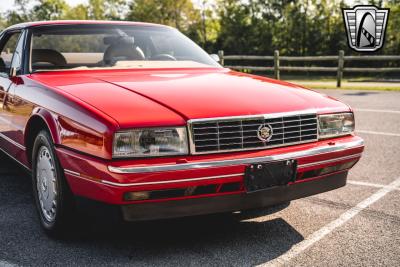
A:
<point x="235" y="134"/>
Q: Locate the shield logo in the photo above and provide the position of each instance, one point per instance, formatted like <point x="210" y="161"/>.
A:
<point x="365" y="27"/>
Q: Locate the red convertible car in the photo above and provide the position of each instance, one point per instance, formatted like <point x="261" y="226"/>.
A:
<point x="136" y="119"/>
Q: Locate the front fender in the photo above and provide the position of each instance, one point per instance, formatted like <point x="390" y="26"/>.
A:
<point x="41" y="115"/>
<point x="64" y="132"/>
<point x="71" y="122"/>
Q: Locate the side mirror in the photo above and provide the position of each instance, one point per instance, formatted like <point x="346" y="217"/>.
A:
<point x="215" y="57"/>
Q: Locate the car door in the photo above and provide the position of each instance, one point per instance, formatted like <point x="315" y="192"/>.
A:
<point x="10" y="59"/>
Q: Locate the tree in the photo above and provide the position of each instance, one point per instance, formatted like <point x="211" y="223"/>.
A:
<point x="50" y="10"/>
<point x="19" y="14"/>
<point x="294" y="27"/>
<point x="79" y="12"/>
<point x="180" y="14"/>
<point x="392" y="40"/>
<point x="209" y="27"/>
<point x="3" y="23"/>
<point x="107" y="9"/>
<point x="236" y="34"/>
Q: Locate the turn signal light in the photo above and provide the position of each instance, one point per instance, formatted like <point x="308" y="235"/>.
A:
<point x="135" y="196"/>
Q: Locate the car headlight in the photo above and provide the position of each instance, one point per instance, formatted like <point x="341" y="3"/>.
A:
<point x="150" y="142"/>
<point x="334" y="125"/>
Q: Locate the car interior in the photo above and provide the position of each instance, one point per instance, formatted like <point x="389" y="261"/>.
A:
<point x="62" y="48"/>
<point x="117" y="49"/>
<point x="114" y="49"/>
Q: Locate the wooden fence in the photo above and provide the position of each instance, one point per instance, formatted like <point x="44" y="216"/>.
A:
<point x="340" y="59"/>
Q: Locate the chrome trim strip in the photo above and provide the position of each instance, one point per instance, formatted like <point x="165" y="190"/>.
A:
<point x="329" y="161"/>
<point x="173" y="181"/>
<point x="12" y="141"/>
<point x="223" y="163"/>
<point x="224" y="176"/>
<point x="255" y="148"/>
<point x="78" y="175"/>
<point x="72" y="172"/>
<point x="189" y="127"/>
<point x="261" y="116"/>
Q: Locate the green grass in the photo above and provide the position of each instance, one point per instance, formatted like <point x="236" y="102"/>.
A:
<point x="346" y="85"/>
<point x="349" y="83"/>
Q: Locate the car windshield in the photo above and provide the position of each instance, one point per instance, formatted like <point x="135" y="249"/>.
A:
<point x="114" y="46"/>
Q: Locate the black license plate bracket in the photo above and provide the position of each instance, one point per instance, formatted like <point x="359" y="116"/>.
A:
<point x="261" y="176"/>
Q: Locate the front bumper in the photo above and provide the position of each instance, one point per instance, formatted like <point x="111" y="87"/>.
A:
<point x="218" y="176"/>
<point x="231" y="203"/>
<point x="217" y="204"/>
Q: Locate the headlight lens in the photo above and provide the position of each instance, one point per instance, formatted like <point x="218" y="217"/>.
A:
<point x="151" y="142"/>
<point x="334" y="125"/>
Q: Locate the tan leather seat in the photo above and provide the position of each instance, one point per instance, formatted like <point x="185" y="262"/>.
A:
<point x="125" y="49"/>
<point x="48" y="56"/>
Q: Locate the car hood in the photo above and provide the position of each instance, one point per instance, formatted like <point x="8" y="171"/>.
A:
<point x="191" y="94"/>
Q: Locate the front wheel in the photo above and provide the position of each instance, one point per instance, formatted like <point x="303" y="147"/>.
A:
<point x="54" y="201"/>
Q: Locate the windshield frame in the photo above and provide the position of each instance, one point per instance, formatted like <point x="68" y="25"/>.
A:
<point x="50" y="27"/>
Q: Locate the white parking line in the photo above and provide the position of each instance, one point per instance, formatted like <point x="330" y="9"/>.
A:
<point x="352" y="182"/>
<point x="329" y="228"/>
<point x="378" y="133"/>
<point x="377" y="110"/>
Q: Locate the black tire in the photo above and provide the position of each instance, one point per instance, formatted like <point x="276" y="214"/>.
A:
<point x="64" y="214"/>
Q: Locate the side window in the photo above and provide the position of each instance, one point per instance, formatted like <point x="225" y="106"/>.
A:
<point x="7" y="53"/>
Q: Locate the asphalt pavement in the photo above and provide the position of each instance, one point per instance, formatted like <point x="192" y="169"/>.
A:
<point x="357" y="225"/>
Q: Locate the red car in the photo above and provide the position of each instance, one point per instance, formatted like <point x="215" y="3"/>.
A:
<point x="136" y="119"/>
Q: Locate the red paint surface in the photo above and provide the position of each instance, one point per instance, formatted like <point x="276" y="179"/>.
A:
<point x="191" y="93"/>
<point x="83" y="109"/>
<point x="94" y="170"/>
